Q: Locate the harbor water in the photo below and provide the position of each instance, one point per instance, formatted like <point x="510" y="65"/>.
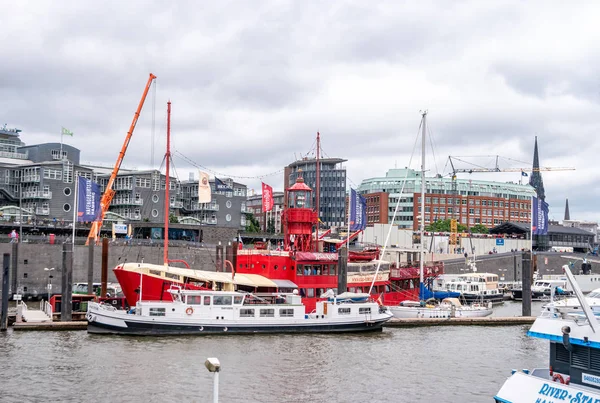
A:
<point x="430" y="364"/>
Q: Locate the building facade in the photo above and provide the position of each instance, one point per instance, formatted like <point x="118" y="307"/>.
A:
<point x="41" y="180"/>
<point x="332" y="195"/>
<point x="254" y="206"/>
<point x="226" y="208"/>
<point x="470" y="202"/>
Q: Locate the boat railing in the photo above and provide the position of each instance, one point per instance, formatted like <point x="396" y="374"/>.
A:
<point x="46" y="307"/>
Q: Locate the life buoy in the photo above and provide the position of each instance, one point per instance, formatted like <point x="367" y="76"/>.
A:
<point x="189" y="310"/>
<point x="558" y="378"/>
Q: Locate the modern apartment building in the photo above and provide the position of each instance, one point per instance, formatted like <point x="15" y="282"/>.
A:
<point x="332" y="195"/>
<point x="226" y="208"/>
<point x="475" y="201"/>
<point x="41" y="179"/>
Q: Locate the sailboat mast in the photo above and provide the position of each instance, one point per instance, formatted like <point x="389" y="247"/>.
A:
<point x="318" y="189"/>
<point x="422" y="221"/>
<point x="167" y="200"/>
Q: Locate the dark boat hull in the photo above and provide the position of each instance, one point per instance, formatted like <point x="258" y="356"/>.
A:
<point x="474" y="298"/>
<point x="159" y="329"/>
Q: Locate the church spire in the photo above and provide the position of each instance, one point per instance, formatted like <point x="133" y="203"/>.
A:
<point x="536" y="177"/>
<point x="567" y="215"/>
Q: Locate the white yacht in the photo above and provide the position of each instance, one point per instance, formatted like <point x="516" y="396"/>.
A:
<point x="542" y="289"/>
<point x="572" y="304"/>
<point x="474" y="287"/>
<point x="199" y="312"/>
<point x="573" y="372"/>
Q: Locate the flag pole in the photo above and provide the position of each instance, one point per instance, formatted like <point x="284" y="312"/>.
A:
<point x="75" y="209"/>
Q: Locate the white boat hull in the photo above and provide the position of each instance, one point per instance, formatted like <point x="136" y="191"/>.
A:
<point x="408" y="312"/>
<point x="521" y="387"/>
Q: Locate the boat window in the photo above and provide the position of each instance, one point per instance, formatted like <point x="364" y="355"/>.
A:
<point x="222" y="300"/>
<point x="275" y="267"/>
<point x="343" y="311"/>
<point x="157" y="311"/>
<point x="155" y="272"/>
<point x="325" y="271"/>
<point x="267" y="313"/>
<point x="286" y="313"/>
<point x="237" y="300"/>
<point x="207" y="300"/>
<point x="365" y="311"/>
<point x="194" y="300"/>
<point x="283" y="267"/>
<point x="317" y="270"/>
<point x="320" y="291"/>
<point x="172" y="276"/>
<point x="594" y="294"/>
<point x="246" y="313"/>
<point x="299" y="270"/>
<point x="310" y="292"/>
<point x="332" y="270"/>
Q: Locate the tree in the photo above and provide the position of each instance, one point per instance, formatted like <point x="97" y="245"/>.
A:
<point x="271" y="226"/>
<point x="480" y="229"/>
<point x="173" y="219"/>
<point x="252" y="224"/>
<point x="444" y="226"/>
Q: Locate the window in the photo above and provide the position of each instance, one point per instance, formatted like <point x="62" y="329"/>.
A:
<point x="155" y="198"/>
<point x="228" y="217"/>
<point x="194" y="300"/>
<point x="343" y="311"/>
<point x="228" y="204"/>
<point x="267" y="313"/>
<point x="364" y="311"/>
<point x="154" y="213"/>
<point x="222" y="300"/>
<point x="246" y="313"/>
<point x="207" y="300"/>
<point x="157" y="311"/>
<point x="286" y="313"/>
<point x="237" y="300"/>
<point x="67" y="191"/>
<point x="67" y="207"/>
<point x="310" y="292"/>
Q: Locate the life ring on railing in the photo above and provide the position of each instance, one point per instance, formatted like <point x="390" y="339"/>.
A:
<point x="558" y="378"/>
<point x="189" y="310"/>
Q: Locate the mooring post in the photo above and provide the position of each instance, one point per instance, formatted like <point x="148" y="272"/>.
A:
<point x="66" y="300"/>
<point x="104" y="274"/>
<point x="515" y="266"/>
<point x="526" y="283"/>
<point x="342" y="269"/>
<point x="234" y="255"/>
<point x="90" y="280"/>
<point x="14" y="269"/>
<point x="228" y="254"/>
<point x="4" y="314"/>
<point x="219" y="258"/>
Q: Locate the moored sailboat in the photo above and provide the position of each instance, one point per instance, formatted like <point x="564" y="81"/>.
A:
<point x="426" y="306"/>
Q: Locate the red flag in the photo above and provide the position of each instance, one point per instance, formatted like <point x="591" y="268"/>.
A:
<point x="267" y="198"/>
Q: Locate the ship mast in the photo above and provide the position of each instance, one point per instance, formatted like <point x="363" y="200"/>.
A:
<point x="422" y="221"/>
<point x="318" y="190"/>
<point x="167" y="203"/>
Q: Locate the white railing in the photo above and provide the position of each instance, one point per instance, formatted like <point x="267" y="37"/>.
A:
<point x="47" y="308"/>
<point x="37" y="195"/>
<point x="42" y="211"/>
<point x="176" y="204"/>
<point x="21" y="309"/>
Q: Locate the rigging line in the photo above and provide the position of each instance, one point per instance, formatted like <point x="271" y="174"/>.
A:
<point x="397" y="207"/>
<point x="180" y="155"/>
<point x="437" y="171"/>
<point x="470" y="163"/>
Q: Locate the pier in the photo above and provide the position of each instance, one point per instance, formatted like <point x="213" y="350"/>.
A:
<point x="487" y="321"/>
<point x="51" y="326"/>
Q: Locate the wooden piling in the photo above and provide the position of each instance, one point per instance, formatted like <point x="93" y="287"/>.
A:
<point x="104" y="273"/>
<point x="5" y="278"/>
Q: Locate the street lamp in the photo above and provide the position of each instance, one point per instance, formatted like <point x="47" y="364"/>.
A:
<point x="213" y="365"/>
<point x="49" y="286"/>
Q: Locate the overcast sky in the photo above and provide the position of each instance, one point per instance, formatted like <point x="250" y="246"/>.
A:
<point x="253" y="81"/>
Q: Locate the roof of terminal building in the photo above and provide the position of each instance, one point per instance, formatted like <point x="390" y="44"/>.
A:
<point x="511" y="228"/>
<point x="559" y="229"/>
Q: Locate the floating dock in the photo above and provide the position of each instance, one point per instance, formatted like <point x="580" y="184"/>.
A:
<point x="493" y="321"/>
<point x="52" y="326"/>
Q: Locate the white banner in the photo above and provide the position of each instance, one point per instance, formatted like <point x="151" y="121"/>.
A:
<point x="203" y="188"/>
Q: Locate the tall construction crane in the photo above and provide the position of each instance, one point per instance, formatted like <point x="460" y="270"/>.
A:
<point x="479" y="169"/>
<point x="109" y="192"/>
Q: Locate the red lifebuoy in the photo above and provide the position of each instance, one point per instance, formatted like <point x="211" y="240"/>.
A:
<point x="558" y="378"/>
<point x="189" y="310"/>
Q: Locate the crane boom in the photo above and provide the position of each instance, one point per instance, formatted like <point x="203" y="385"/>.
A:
<point x="109" y="192"/>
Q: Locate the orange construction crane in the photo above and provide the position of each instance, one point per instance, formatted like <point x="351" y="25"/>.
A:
<point x="109" y="191"/>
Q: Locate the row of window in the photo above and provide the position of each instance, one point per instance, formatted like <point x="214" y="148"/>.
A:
<point x="474" y="202"/>
<point x="267" y="313"/>
<point x="316" y="270"/>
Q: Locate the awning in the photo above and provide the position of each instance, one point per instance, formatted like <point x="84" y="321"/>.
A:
<point x="285" y="283"/>
<point x="253" y="280"/>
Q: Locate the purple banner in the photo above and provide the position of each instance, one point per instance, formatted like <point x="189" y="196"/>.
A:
<point x="358" y="211"/>
<point x="539" y="216"/>
<point x="88" y="202"/>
